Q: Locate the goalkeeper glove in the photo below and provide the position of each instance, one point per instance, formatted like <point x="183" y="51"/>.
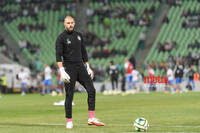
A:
<point x="64" y="76"/>
<point x="89" y="70"/>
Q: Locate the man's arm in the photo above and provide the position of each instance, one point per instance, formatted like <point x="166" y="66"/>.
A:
<point x="59" y="49"/>
<point x="84" y="53"/>
<point x="85" y="59"/>
<point x="59" y="54"/>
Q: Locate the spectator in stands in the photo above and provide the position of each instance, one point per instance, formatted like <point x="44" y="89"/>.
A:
<point x="196" y="58"/>
<point x="146" y="16"/>
<point x="160" y="47"/>
<point x="123" y="34"/>
<point x="152" y="9"/>
<point x="184" y="24"/>
<point x="167" y="47"/>
<point x="16" y="57"/>
<point x="124" y="51"/>
<point x="189" y="59"/>
<point x="2" y="42"/>
<point x="142" y="38"/>
<point x="38" y="65"/>
<point x="4" y="51"/>
<point x="142" y="21"/>
<point x="166" y="20"/>
<point x="162" y="65"/>
<point x="89" y="12"/>
<point x="31" y="27"/>
<point x="113" y="52"/>
<point x="104" y="52"/>
<point x="22" y="44"/>
<point x="105" y="41"/>
<point x="117" y="34"/>
<point x="130" y="19"/>
<point x="197" y="44"/>
<point x="174" y="2"/>
<point x="107" y="22"/>
<point x="183" y="14"/>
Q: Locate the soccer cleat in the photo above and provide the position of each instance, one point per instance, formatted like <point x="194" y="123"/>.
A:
<point x="23" y="93"/>
<point x="69" y="125"/>
<point x="61" y="103"/>
<point x="95" y="121"/>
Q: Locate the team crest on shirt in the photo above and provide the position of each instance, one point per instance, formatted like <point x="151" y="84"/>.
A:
<point x="68" y="41"/>
<point x="79" y="38"/>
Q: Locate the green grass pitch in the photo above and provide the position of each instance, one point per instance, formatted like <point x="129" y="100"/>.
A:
<point x="33" y="113"/>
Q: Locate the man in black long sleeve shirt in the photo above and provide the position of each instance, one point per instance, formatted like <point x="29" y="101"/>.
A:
<point x="190" y="74"/>
<point x="71" y="56"/>
<point x="179" y="76"/>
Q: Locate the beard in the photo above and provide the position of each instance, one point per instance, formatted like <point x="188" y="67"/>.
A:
<point x="69" y="29"/>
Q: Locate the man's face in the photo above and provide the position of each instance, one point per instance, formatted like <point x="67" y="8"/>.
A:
<point x="69" y="24"/>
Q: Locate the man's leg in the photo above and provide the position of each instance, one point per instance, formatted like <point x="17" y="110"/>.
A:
<point x="49" y="86"/>
<point x="116" y="80"/>
<point x="193" y="85"/>
<point x="23" y="89"/>
<point x="69" y="89"/>
<point x="44" y="87"/>
<point x="85" y="80"/>
<point x="0" y="90"/>
<point x="113" y="85"/>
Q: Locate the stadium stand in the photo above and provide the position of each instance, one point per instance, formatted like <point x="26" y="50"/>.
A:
<point x="173" y="34"/>
<point x="40" y="28"/>
<point x="130" y="42"/>
<point x="41" y="41"/>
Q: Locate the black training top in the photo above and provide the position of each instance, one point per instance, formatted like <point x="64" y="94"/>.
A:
<point x="179" y="71"/>
<point x="191" y="73"/>
<point x="69" y="45"/>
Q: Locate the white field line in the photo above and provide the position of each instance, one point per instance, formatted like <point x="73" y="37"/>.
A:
<point x="111" y="125"/>
<point x="122" y="125"/>
<point x="162" y="132"/>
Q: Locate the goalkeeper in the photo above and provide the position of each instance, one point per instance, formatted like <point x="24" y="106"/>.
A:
<point x="72" y="59"/>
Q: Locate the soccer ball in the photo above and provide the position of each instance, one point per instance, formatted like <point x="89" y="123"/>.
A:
<point x="53" y="93"/>
<point x="141" y="124"/>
